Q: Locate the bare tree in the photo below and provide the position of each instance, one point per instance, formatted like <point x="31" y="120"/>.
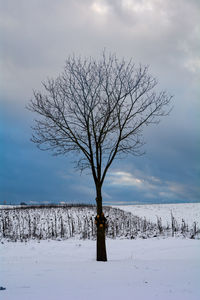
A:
<point x="98" y="109"/>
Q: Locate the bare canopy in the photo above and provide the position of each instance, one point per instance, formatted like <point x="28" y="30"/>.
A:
<point x="98" y="109"/>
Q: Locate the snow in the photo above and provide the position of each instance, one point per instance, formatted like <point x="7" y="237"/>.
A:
<point x="137" y="269"/>
<point x="190" y="212"/>
<point x="141" y="269"/>
<point x="7" y="206"/>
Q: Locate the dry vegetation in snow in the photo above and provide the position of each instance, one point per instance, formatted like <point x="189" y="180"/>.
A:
<point x="63" y="222"/>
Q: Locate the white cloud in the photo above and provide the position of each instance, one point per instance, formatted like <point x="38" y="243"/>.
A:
<point x="137" y="6"/>
<point x="149" y="186"/>
<point x="121" y="178"/>
<point x="193" y="65"/>
<point x="100" y="7"/>
<point x="176" y="187"/>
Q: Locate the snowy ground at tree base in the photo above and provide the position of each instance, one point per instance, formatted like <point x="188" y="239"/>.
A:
<point x="164" y="269"/>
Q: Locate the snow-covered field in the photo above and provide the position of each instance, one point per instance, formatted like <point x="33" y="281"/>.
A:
<point x="137" y="269"/>
<point x="190" y="212"/>
<point x="141" y="269"/>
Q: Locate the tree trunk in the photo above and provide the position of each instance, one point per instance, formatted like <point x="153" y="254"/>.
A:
<point x="101" y="245"/>
<point x="101" y="226"/>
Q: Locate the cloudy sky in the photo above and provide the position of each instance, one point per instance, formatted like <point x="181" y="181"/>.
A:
<point x="36" y="37"/>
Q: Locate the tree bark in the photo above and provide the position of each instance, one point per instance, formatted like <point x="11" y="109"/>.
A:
<point x="101" y="226"/>
<point x="101" y="244"/>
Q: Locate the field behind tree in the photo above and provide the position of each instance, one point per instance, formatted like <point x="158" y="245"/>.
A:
<point x="22" y="223"/>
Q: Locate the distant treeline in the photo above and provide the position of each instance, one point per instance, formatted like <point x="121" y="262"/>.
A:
<point x="49" y="205"/>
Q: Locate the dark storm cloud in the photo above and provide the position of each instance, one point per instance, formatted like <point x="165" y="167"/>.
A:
<point x="36" y="38"/>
